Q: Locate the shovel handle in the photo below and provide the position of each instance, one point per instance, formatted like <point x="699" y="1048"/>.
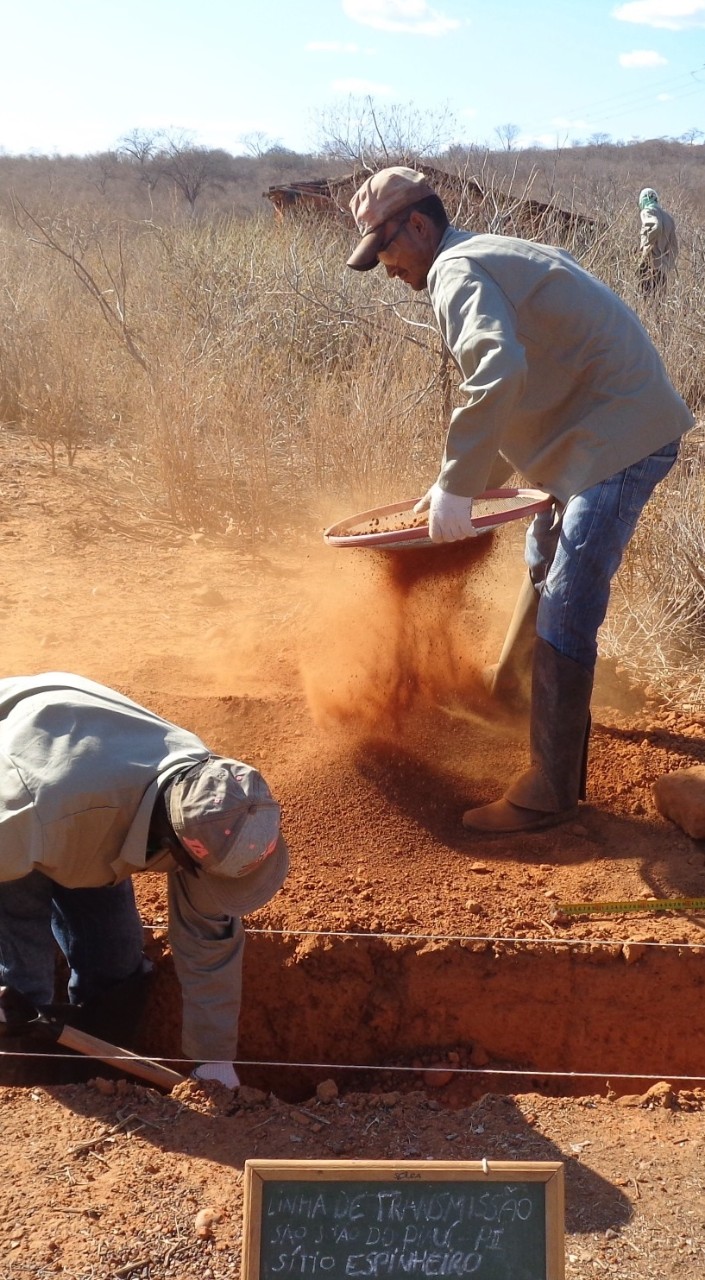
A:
<point x="123" y="1059"/>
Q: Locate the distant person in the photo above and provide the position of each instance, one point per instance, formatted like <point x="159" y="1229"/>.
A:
<point x="562" y="384"/>
<point x="93" y="790"/>
<point x="658" y="245"/>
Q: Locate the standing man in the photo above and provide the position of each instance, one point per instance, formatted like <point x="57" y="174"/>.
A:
<point x="563" y="384"/>
<point x="93" y="790"/>
<point x="658" y="245"/>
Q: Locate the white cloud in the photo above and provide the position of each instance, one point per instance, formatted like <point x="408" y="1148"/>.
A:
<point x="642" y="58"/>
<point x="353" y="85"/>
<point x="527" y="140"/>
<point x="416" y="17"/>
<point x="671" y="15"/>
<point x="664" y="97"/>
<point x="468" y="113"/>
<point x="331" y="46"/>
<point x="562" y="122"/>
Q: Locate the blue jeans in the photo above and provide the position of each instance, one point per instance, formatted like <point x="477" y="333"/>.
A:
<point x="98" y="930"/>
<point x="573" y="553"/>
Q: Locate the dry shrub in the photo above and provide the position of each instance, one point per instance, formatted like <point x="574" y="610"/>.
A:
<point x="656" y="623"/>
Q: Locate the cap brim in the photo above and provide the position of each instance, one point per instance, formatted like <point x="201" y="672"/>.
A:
<point x="364" y="257"/>
<point x="239" y="895"/>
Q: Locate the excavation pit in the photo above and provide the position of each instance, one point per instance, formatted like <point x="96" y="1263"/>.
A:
<point x="398" y="942"/>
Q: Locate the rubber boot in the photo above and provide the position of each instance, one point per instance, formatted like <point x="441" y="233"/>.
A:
<point x="549" y="791"/>
<point x="509" y="680"/>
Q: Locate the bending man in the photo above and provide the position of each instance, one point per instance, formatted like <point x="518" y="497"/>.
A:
<point x="95" y="789"/>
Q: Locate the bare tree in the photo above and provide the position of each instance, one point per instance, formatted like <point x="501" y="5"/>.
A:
<point x="104" y="167"/>
<point x="507" y="134"/>
<point x="140" y="148"/>
<point x="140" y="145"/>
<point x="258" y="144"/>
<point x="367" y="135"/>
<point x="192" y="169"/>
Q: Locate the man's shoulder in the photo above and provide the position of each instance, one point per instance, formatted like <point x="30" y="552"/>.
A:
<point x="459" y="246"/>
<point x="489" y="256"/>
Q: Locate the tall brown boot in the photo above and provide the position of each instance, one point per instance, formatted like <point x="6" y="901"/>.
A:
<point x="548" y="792"/>
<point x="509" y="680"/>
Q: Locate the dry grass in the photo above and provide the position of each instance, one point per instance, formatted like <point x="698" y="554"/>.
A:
<point x="248" y="382"/>
<point x="656" y="624"/>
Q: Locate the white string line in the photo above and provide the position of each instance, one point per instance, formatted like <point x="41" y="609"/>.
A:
<point x="534" y="1073"/>
<point x="412" y="937"/>
<point x="470" y="937"/>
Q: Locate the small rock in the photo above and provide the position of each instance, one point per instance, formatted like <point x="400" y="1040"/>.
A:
<point x="479" y="1057"/>
<point x="662" y="1094"/>
<point x="633" y="951"/>
<point x="208" y="596"/>
<point x="474" y="908"/>
<point x="480" y="868"/>
<point x="204" y="1222"/>
<point x="680" y="796"/>
<point x="326" y="1091"/>
<point x="249" y="1097"/>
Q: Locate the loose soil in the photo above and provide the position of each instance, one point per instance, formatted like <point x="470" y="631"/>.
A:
<point x="425" y="972"/>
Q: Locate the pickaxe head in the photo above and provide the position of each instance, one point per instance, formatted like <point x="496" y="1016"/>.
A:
<point x="20" y="1015"/>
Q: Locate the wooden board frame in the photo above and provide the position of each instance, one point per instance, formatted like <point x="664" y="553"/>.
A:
<point x="259" y="1172"/>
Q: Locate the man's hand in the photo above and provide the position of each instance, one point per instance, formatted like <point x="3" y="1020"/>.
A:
<point x="449" y="515"/>
<point x="223" y="1072"/>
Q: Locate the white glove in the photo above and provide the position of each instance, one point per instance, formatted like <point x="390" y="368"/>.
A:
<point x="449" y="515"/>
<point x="223" y="1072"/>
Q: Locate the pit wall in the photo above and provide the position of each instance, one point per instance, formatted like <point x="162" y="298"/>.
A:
<point x="569" y="1007"/>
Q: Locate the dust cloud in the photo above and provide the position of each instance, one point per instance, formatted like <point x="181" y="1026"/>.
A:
<point x="390" y="633"/>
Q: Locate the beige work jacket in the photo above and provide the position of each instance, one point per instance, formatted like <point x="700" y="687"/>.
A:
<point x="658" y="239"/>
<point x="558" y="374"/>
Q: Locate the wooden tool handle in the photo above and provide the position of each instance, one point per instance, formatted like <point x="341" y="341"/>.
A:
<point x="122" y="1059"/>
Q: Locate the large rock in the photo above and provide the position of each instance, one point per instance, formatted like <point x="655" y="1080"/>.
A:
<point x="680" y="796"/>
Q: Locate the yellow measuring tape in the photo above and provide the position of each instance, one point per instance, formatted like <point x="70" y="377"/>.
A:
<point x="640" y="904"/>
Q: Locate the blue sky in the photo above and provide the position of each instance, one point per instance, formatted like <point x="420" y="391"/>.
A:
<point x="79" y="74"/>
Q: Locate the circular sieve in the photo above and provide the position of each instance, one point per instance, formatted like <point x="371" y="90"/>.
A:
<point x="396" y="527"/>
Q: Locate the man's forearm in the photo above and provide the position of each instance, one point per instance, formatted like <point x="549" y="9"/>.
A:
<point x="207" y="947"/>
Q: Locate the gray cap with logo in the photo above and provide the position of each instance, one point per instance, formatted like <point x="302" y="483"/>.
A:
<point x="226" y="817"/>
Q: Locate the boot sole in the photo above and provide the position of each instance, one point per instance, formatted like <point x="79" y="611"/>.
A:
<point x="546" y="821"/>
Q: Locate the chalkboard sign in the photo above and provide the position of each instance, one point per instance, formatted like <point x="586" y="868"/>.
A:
<point x="383" y="1219"/>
